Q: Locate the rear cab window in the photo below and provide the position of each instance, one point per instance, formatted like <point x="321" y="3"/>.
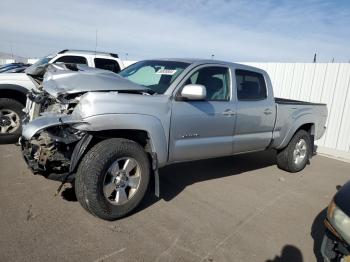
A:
<point x="107" y="64"/>
<point x="250" y="85"/>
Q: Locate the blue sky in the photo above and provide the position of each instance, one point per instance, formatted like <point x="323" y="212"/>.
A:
<point x="271" y="30"/>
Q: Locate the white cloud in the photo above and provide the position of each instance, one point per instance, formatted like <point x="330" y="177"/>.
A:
<point x="232" y="30"/>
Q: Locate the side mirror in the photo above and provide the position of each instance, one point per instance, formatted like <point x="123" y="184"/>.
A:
<point x="194" y="92"/>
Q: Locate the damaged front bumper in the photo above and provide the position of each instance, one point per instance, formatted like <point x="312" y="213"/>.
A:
<point x="31" y="128"/>
<point x="52" y="147"/>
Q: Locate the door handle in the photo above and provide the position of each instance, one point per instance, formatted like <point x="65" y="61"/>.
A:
<point x="267" y="111"/>
<point x="228" y="112"/>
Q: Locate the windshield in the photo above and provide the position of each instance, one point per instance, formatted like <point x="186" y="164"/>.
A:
<point x="44" y="60"/>
<point x="156" y="75"/>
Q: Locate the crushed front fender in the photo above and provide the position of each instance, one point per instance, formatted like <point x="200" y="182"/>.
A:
<point x="51" y="146"/>
<point x="44" y="122"/>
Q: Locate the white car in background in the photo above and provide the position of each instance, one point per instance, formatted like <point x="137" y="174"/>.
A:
<point x="14" y="86"/>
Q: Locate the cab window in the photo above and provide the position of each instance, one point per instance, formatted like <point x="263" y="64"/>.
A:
<point x="107" y="64"/>
<point x="250" y="85"/>
<point x="71" y="59"/>
<point x="216" y="80"/>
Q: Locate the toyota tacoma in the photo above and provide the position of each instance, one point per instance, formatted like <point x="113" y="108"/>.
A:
<point x="108" y="134"/>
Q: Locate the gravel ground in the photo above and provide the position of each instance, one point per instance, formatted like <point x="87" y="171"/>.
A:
<point x="240" y="208"/>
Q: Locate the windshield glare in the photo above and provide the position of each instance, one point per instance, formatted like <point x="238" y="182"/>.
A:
<point x="156" y="75"/>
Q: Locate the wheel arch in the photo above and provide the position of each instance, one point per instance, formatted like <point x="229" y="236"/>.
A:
<point x="144" y="129"/>
<point x="308" y="126"/>
<point x="141" y="137"/>
<point x="16" y="92"/>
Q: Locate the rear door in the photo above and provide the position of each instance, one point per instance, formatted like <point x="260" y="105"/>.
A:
<point x="204" y="129"/>
<point x="255" y="112"/>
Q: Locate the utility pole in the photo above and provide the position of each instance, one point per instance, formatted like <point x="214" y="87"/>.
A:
<point x="96" y="42"/>
<point x="11" y="50"/>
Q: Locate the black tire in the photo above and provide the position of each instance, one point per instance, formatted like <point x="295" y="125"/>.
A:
<point x="285" y="159"/>
<point x="17" y="107"/>
<point x="92" y="171"/>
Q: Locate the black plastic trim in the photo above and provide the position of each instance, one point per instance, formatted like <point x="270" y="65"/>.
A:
<point x="295" y="102"/>
<point x="14" y="88"/>
<point x="114" y="55"/>
<point x="78" y="151"/>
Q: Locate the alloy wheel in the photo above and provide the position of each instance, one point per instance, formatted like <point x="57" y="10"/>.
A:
<point x="9" y="121"/>
<point x="122" y="180"/>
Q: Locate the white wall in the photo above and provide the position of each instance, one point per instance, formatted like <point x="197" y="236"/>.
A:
<point x="327" y="83"/>
<point x="6" y="61"/>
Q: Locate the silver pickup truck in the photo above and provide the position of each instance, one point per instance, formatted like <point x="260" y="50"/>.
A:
<point x="108" y="134"/>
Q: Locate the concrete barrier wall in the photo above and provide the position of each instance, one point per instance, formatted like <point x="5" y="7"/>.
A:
<point x="322" y="83"/>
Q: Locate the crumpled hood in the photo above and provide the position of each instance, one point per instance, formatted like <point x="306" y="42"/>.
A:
<point x="63" y="79"/>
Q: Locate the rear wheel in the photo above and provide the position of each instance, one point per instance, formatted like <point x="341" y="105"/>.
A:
<point x="10" y="120"/>
<point x="112" y="178"/>
<point x="295" y="156"/>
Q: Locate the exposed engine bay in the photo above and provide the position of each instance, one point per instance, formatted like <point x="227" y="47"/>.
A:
<point x="59" y="88"/>
<point x="49" y="152"/>
<point x="40" y="103"/>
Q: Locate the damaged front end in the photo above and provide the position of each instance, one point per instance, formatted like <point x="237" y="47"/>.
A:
<point x="45" y="98"/>
<point x="52" y="147"/>
<point x="40" y="103"/>
<point x="59" y="88"/>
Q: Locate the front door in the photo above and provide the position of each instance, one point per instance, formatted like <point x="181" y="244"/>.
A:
<point x="204" y="129"/>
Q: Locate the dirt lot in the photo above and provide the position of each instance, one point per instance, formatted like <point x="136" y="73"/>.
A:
<point x="239" y="208"/>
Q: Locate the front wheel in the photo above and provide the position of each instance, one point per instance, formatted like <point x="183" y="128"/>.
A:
<point x="112" y="178"/>
<point x="295" y="156"/>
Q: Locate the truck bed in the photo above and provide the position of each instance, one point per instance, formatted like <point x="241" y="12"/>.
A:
<point x="289" y="113"/>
